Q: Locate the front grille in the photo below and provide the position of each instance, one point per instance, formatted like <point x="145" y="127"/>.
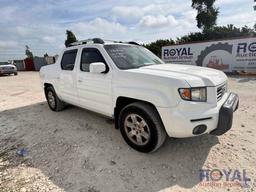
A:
<point x="8" y="68"/>
<point x="220" y="91"/>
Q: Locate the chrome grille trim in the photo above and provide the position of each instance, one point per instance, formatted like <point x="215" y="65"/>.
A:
<point x="221" y="90"/>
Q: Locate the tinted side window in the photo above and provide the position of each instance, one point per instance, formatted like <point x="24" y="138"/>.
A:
<point x="90" y="55"/>
<point x="68" y="60"/>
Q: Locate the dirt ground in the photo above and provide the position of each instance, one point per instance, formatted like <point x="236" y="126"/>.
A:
<point x="77" y="150"/>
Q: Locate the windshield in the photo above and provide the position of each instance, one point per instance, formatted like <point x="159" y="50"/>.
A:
<point x="131" y="56"/>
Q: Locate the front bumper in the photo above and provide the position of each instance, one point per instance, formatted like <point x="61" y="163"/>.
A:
<point x="226" y="114"/>
<point x="2" y="72"/>
<point x="180" y="121"/>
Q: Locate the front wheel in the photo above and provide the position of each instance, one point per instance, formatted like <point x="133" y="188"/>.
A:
<point x="53" y="100"/>
<point x="141" y="127"/>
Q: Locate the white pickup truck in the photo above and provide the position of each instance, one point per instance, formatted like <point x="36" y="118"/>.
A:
<point x="147" y="98"/>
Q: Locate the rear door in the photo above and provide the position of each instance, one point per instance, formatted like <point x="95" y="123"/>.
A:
<point x="67" y="77"/>
<point x="94" y="90"/>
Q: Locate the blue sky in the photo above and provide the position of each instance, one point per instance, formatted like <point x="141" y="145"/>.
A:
<point x="42" y="24"/>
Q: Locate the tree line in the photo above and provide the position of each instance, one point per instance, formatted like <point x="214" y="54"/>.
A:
<point x="213" y="33"/>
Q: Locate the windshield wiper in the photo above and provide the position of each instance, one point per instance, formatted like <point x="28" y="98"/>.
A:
<point x="139" y="66"/>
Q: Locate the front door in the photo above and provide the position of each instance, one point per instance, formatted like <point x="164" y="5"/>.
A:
<point x="94" y="89"/>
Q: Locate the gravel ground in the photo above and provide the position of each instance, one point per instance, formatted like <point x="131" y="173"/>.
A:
<point x="77" y="150"/>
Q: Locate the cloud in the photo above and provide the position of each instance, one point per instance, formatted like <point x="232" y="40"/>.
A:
<point x="98" y="27"/>
<point x="164" y="8"/>
<point x="132" y="14"/>
<point x="230" y="2"/>
<point x="49" y="39"/>
<point x="127" y="13"/>
<point x="42" y="24"/>
<point x="240" y="19"/>
<point x="7" y="13"/>
<point x="187" y="19"/>
<point x="4" y="45"/>
<point x="22" y="31"/>
<point x="158" y="21"/>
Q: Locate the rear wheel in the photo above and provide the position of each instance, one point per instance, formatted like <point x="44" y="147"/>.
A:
<point x="141" y="127"/>
<point x="53" y="100"/>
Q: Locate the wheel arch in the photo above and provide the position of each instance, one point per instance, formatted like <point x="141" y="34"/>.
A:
<point x="123" y="101"/>
<point x="46" y="85"/>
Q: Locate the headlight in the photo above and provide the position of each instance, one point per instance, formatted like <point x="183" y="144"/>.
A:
<point x="193" y="94"/>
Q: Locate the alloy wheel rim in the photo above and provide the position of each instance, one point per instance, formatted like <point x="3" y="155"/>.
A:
<point x="51" y="99"/>
<point x="137" y="129"/>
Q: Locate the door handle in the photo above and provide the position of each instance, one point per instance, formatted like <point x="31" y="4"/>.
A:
<point x="80" y="81"/>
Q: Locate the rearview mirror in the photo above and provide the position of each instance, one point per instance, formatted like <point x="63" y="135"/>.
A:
<point x="98" y="67"/>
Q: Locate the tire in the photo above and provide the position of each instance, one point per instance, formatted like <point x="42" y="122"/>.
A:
<point x="53" y="100"/>
<point x="15" y="73"/>
<point x="148" y="133"/>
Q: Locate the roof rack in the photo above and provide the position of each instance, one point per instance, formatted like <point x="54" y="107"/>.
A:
<point x="133" y="43"/>
<point x="129" y="42"/>
<point x="94" y="40"/>
<point x="98" y="41"/>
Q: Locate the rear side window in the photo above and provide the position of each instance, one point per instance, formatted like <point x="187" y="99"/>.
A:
<point x="68" y="60"/>
<point x="90" y="55"/>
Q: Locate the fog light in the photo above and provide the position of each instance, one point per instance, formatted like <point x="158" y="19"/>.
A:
<point x="199" y="129"/>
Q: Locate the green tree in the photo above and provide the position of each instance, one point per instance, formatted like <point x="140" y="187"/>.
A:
<point x="214" y="33"/>
<point x="217" y="33"/>
<point x="206" y="13"/>
<point x="71" y="38"/>
<point x="28" y="53"/>
<point x="156" y="46"/>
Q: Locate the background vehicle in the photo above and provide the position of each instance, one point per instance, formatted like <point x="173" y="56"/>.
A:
<point x="147" y="98"/>
<point x="8" y="69"/>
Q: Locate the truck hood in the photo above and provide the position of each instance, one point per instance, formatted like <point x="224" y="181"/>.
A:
<point x="194" y="75"/>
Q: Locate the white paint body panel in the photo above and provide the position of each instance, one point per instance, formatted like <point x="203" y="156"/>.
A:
<point x="156" y="84"/>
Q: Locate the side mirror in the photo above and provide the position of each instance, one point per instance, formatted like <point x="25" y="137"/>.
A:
<point x="98" y="67"/>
